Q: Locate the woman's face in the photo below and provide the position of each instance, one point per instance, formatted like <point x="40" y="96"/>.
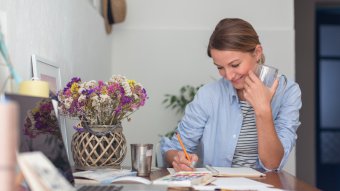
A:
<point x="234" y="65"/>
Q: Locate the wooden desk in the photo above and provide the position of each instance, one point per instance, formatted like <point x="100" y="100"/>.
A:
<point x="282" y="180"/>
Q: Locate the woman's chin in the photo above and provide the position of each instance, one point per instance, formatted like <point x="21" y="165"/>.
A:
<point x="238" y="86"/>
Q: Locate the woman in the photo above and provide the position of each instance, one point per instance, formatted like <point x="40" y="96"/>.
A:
<point x="237" y="121"/>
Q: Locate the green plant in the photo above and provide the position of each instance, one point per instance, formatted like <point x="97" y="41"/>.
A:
<point x="179" y="102"/>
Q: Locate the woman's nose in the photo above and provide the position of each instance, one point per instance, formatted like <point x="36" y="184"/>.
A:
<point x="229" y="74"/>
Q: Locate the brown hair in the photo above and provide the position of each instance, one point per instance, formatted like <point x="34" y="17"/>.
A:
<point x="234" y="34"/>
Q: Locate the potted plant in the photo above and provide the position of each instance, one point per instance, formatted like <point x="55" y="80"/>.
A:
<point x="100" y="106"/>
<point x="180" y="101"/>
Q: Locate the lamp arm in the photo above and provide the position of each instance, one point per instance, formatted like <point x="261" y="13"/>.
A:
<point x="5" y="55"/>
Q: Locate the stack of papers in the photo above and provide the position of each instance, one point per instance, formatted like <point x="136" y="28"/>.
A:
<point x="232" y="179"/>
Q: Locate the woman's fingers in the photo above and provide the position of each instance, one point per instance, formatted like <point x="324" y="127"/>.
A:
<point x="175" y="166"/>
<point x="181" y="167"/>
<point x="181" y="163"/>
<point x="194" y="158"/>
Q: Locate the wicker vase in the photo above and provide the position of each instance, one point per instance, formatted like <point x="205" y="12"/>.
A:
<point x="99" y="150"/>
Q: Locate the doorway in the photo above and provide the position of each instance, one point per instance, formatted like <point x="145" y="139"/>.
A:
<point x="327" y="34"/>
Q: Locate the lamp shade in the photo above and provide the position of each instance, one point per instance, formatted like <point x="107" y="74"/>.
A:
<point x="35" y="88"/>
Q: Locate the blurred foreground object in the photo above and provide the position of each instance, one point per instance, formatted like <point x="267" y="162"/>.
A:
<point x="8" y="141"/>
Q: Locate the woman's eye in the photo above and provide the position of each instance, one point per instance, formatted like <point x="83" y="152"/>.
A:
<point x="219" y="68"/>
<point x="235" y="65"/>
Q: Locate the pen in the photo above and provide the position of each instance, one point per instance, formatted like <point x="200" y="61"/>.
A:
<point x="223" y="189"/>
<point x="212" y="170"/>
<point x="182" y="145"/>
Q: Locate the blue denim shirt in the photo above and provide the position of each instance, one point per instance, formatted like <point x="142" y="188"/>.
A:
<point x="213" y="120"/>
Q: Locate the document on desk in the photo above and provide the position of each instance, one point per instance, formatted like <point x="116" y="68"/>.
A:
<point x="235" y="183"/>
<point x="227" y="171"/>
<point x="234" y="172"/>
<point x="185" y="178"/>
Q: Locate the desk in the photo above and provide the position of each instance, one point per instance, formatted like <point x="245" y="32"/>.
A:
<point x="282" y="180"/>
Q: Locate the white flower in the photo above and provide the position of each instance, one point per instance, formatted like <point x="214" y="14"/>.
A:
<point x="90" y="84"/>
<point x="104" y="98"/>
<point x="95" y="101"/>
<point x="68" y="102"/>
<point x="31" y="117"/>
<point x="127" y="88"/>
<point x="81" y="89"/>
<point x="82" y="98"/>
<point x="118" y="78"/>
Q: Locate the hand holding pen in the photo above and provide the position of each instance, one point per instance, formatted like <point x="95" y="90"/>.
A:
<point x="184" y="161"/>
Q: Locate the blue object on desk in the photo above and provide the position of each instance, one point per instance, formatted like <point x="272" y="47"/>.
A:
<point x="4" y="52"/>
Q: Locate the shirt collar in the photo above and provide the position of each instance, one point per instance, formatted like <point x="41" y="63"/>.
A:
<point x="231" y="91"/>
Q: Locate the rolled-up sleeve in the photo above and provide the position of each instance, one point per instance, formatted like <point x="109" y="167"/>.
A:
<point x="287" y="121"/>
<point x="191" y="126"/>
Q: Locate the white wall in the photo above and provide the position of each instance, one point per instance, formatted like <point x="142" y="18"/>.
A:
<point x="68" y="33"/>
<point x="162" y="44"/>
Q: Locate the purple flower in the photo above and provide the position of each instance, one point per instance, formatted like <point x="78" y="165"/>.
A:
<point x="126" y="100"/>
<point x="42" y="120"/>
<point x="89" y="92"/>
<point x="78" y="129"/>
<point x="111" y="108"/>
<point x="101" y="83"/>
<point x="73" y="80"/>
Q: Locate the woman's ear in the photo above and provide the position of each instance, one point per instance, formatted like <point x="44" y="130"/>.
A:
<point x="258" y="52"/>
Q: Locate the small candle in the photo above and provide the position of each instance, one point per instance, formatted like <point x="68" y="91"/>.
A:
<point x="35" y="88"/>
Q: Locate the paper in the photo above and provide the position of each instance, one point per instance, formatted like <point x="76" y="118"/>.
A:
<point x="171" y="170"/>
<point x="41" y="174"/>
<point x="212" y="188"/>
<point x="239" y="172"/>
<point x="103" y="176"/>
<point x="227" y="171"/>
<point x="238" y="183"/>
<point x="234" y="183"/>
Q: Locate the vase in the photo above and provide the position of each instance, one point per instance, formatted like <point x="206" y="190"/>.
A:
<point x="100" y="146"/>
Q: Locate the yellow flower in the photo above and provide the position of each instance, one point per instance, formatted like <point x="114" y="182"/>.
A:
<point x="74" y="88"/>
<point x="104" y="91"/>
<point x="132" y="83"/>
<point x="35" y="110"/>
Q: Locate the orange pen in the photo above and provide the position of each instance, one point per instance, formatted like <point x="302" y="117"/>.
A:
<point x="183" y="148"/>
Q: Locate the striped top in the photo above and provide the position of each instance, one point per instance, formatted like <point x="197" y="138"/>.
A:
<point x="246" y="149"/>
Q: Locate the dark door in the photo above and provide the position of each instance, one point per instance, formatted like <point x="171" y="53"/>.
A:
<point x="328" y="97"/>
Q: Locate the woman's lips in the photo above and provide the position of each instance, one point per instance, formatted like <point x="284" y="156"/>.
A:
<point x="238" y="80"/>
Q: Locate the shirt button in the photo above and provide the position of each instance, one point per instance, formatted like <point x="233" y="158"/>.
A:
<point x="234" y="136"/>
